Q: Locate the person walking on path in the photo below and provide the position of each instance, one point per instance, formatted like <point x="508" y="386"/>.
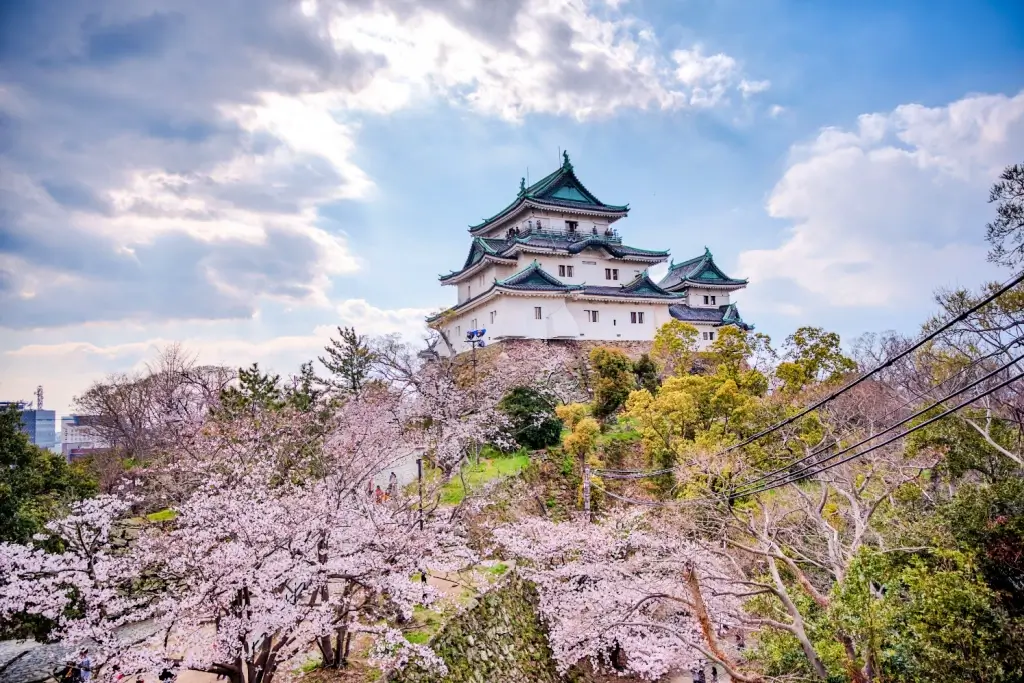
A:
<point x="84" y="666"/>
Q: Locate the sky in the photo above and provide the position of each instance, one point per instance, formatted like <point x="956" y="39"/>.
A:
<point x="242" y="176"/>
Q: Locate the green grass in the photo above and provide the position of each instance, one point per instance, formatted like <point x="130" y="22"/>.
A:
<point x="164" y="515"/>
<point x="498" y="569"/>
<point x="478" y="474"/>
<point x="429" y="622"/>
<point x="311" y="664"/>
<point x="418" y="637"/>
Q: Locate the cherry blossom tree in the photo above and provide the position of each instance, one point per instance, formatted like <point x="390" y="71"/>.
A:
<point x="628" y="595"/>
<point x="454" y="401"/>
<point x="272" y="551"/>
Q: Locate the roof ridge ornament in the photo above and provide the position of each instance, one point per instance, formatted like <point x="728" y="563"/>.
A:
<point x="566" y="164"/>
<point x="522" y="186"/>
<point x="707" y="252"/>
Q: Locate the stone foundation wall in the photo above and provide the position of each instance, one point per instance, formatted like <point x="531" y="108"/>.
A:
<point x="500" y="640"/>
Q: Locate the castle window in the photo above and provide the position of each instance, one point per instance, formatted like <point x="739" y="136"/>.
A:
<point x="473" y="323"/>
<point x="536" y="312"/>
<point x="611" y="273"/>
<point x="493" y="313"/>
<point x="712" y="300"/>
<point x="591" y="316"/>
<point x="570" y="226"/>
<point x="564" y="271"/>
<point x="707" y="300"/>
<point x="636" y="317"/>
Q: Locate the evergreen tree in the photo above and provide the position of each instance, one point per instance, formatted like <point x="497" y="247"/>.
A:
<point x="534" y="424"/>
<point x="34" y="483"/>
<point x="614" y="380"/>
<point x="306" y="390"/>
<point x="349" y="360"/>
<point x="256" y="390"/>
<point x="646" y="372"/>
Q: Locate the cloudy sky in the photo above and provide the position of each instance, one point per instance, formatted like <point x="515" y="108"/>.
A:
<point x="244" y="175"/>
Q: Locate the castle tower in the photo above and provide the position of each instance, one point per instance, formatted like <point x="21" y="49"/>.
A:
<point x="550" y="265"/>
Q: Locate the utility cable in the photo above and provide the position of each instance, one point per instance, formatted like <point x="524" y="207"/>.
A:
<point x="960" y="317"/>
<point x="786" y="470"/>
<point x="888" y="441"/>
<point x="815" y="469"/>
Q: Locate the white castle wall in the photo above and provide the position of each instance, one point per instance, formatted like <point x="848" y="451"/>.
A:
<point x="514" y="316"/>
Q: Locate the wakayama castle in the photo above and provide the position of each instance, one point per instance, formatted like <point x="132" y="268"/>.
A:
<point x="551" y="266"/>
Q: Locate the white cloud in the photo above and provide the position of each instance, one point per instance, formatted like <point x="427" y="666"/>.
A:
<point x="409" y="323"/>
<point x="204" y="153"/>
<point x="66" y="369"/>
<point x="882" y="214"/>
<point x="540" y="56"/>
<point x="749" y="88"/>
<point x="694" y="68"/>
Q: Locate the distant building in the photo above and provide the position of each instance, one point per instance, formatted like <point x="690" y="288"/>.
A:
<point x="40" y="425"/>
<point x="79" y="436"/>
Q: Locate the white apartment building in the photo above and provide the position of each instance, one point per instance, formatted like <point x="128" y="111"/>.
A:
<point x="551" y="266"/>
<point x="79" y="436"/>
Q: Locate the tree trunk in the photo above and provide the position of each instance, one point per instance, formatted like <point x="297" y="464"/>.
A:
<point x="708" y="629"/>
<point x="326" y="651"/>
<point x="798" y="622"/>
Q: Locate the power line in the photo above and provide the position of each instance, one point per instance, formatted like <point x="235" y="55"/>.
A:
<point x="839" y="392"/>
<point x="888" y="429"/>
<point x="644" y="474"/>
<point x="1013" y="282"/>
<point x="815" y="469"/>
<point x="888" y="441"/>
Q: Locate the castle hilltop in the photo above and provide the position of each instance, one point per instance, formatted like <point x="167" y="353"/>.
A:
<point x="551" y="266"/>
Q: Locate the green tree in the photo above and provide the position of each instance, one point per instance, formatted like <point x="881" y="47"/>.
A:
<point x="729" y="351"/>
<point x="922" y="618"/>
<point x="35" y="484"/>
<point x="1006" y="232"/>
<point x="349" y="360"/>
<point x="988" y="520"/>
<point x="812" y="355"/>
<point x="256" y="391"/>
<point x="306" y="391"/>
<point x="675" y="346"/>
<point x="646" y="372"/>
<point x="534" y="424"/>
<point x="614" y="380"/>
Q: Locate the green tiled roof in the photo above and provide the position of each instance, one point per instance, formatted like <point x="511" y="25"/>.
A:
<point x="720" y="316"/>
<point x="560" y="189"/>
<point x="533" y="277"/>
<point x="696" y="271"/>
<point x="556" y="242"/>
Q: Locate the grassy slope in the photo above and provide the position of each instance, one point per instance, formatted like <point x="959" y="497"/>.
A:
<point x="478" y="474"/>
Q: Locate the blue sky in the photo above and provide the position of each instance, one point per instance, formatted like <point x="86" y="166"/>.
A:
<point x="242" y="176"/>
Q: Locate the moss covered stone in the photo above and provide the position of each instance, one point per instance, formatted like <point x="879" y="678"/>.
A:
<point x="500" y="640"/>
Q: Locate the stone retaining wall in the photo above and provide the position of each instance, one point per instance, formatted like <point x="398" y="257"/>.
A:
<point x="500" y="640"/>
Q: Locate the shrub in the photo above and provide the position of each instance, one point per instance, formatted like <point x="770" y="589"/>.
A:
<point x="614" y="380"/>
<point x="534" y="424"/>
